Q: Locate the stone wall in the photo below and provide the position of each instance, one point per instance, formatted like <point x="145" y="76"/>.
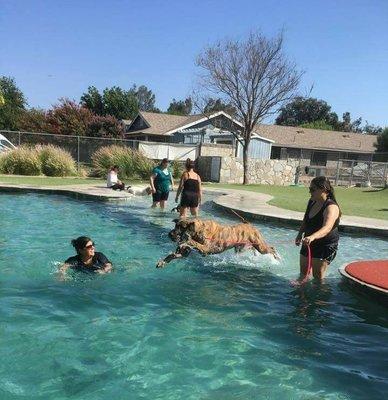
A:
<point x="267" y="172"/>
<point x="216" y="150"/>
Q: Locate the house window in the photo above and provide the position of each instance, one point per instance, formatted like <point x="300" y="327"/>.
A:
<point x="225" y="141"/>
<point x="318" y="158"/>
<point x="351" y="157"/>
<point x="275" y="153"/>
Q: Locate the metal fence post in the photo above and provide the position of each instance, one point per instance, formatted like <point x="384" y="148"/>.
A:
<point x="385" y="176"/>
<point x="77" y="153"/>
<point x="337" y="173"/>
<point x="19" y="138"/>
<point x="351" y="174"/>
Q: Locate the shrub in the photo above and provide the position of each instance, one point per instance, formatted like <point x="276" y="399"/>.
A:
<point x="49" y="160"/>
<point x="143" y="165"/>
<point x="177" y="169"/>
<point x="132" y="163"/>
<point x="56" y="161"/>
<point x="21" y="161"/>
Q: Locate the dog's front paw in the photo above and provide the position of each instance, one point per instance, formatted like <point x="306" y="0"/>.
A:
<point x="160" y="264"/>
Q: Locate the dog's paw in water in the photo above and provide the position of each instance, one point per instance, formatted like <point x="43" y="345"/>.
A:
<point x="161" y="264"/>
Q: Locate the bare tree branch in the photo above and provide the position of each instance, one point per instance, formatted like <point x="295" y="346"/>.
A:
<point x="253" y="75"/>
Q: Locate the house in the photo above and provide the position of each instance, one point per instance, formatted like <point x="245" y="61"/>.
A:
<point x="195" y="129"/>
<point x="313" y="147"/>
<point x="125" y="123"/>
<point x="316" y="147"/>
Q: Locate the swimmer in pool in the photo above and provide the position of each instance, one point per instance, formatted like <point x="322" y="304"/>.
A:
<point x="87" y="259"/>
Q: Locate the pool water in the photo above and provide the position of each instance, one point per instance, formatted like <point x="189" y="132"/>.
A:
<point x="219" y="327"/>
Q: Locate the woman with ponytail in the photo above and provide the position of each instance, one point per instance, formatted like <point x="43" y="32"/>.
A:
<point x="319" y="229"/>
<point x="191" y="189"/>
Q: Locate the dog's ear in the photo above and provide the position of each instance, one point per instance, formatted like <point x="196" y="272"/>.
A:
<point x="176" y="220"/>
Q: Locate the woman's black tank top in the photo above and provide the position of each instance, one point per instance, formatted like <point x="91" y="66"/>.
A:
<point x="191" y="185"/>
<point x="315" y="223"/>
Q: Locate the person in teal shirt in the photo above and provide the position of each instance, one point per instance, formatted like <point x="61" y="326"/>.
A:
<point x="161" y="180"/>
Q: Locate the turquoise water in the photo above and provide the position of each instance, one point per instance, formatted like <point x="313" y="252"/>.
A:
<point x="221" y="327"/>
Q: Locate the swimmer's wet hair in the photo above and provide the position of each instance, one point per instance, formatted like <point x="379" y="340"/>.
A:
<point x="81" y="242"/>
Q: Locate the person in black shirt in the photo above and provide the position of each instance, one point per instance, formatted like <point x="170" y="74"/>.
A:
<point x="320" y="228"/>
<point x="87" y="259"/>
<point x="191" y="190"/>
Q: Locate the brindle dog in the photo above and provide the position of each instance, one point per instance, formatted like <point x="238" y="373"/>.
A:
<point x="209" y="237"/>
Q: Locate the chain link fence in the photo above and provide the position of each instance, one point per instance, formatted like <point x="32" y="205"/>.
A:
<point x="83" y="147"/>
<point x="80" y="147"/>
<point x="346" y="172"/>
<point x="342" y="168"/>
<point x="364" y="173"/>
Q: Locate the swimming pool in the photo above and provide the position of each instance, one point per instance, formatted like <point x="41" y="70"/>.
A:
<point x="221" y="327"/>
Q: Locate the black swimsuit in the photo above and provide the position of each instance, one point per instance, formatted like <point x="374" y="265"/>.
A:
<point x="326" y="247"/>
<point x="98" y="262"/>
<point x="190" y="193"/>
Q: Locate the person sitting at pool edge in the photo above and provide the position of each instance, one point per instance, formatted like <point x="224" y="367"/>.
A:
<point x="320" y="228"/>
<point x="160" y="181"/>
<point x="113" y="181"/>
<point x="87" y="259"/>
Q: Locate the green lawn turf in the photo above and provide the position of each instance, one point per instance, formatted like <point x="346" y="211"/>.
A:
<point x="363" y="202"/>
<point x="48" y="181"/>
<point x="55" y="181"/>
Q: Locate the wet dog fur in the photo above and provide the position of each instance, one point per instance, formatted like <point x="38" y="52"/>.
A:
<point x="210" y="237"/>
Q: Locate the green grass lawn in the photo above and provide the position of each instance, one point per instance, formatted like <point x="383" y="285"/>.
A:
<point x="363" y="202"/>
<point x="47" y="181"/>
<point x="55" y="181"/>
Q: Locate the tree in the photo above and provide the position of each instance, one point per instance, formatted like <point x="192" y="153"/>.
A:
<point x="12" y="103"/>
<point x="93" y="100"/>
<point x="347" y="125"/>
<point x="370" y="129"/>
<point x="105" y="126"/>
<point x="181" y="107"/>
<point x="317" y="125"/>
<point x="120" y="103"/>
<point x="214" y="105"/>
<point x="145" y="98"/>
<point x="253" y="76"/>
<point x="382" y="141"/>
<point x="302" y="110"/>
<point x="34" y="120"/>
<point x="69" y="118"/>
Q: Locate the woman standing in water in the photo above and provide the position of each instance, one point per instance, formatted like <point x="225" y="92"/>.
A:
<point x="191" y="189"/>
<point x="320" y="228"/>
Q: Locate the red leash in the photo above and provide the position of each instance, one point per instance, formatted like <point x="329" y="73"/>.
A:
<point x="309" y="268"/>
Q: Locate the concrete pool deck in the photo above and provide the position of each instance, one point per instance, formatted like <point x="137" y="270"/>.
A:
<point x="250" y="205"/>
<point x="255" y="206"/>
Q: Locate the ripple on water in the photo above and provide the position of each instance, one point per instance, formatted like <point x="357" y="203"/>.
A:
<point x="227" y="326"/>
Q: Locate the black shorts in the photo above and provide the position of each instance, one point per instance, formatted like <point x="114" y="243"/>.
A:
<point x="118" y="186"/>
<point x="322" y="252"/>
<point x="190" y="199"/>
<point x="159" y="196"/>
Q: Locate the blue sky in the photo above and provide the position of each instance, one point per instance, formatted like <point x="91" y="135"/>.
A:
<point x="58" y="48"/>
